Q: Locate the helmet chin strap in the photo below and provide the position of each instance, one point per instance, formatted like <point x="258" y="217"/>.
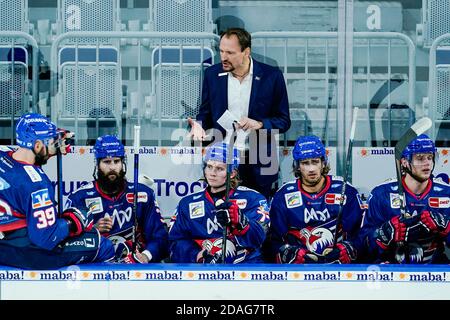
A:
<point x="408" y="170"/>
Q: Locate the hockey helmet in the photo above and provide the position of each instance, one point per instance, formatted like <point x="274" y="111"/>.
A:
<point x="108" y="146"/>
<point x="421" y="144"/>
<point x="219" y="152"/>
<point x="32" y="127"/>
<point x="308" y="147"/>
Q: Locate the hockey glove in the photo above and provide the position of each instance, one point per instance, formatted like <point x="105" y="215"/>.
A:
<point x="206" y="257"/>
<point x="390" y="232"/>
<point x="435" y="222"/>
<point x="229" y="214"/>
<point x="293" y="254"/>
<point x="136" y="257"/>
<point x="62" y="142"/>
<point x="78" y="221"/>
<point x="344" y="252"/>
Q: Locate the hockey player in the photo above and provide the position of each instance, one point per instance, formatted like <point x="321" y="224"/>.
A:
<point x="418" y="235"/>
<point x="196" y="229"/>
<point x="303" y="212"/>
<point x="111" y="196"/>
<point x="33" y="235"/>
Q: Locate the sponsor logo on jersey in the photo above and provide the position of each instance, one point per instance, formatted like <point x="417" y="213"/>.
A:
<point x="95" y="204"/>
<point x="40" y="199"/>
<point x="293" y="199"/>
<point x="32" y="173"/>
<point x="142" y="197"/>
<point x="334" y="198"/>
<point x="241" y="203"/>
<point x="196" y="209"/>
<point x="3" y="184"/>
<point x="395" y="200"/>
<point x="439" y="202"/>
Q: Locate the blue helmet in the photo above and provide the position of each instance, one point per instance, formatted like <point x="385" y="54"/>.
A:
<point x="421" y="144"/>
<point x="219" y="152"/>
<point x="308" y="147"/>
<point x="32" y="127"/>
<point x="108" y="146"/>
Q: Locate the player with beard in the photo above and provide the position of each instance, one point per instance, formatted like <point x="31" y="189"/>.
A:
<point x="111" y="196"/>
<point x="421" y="233"/>
<point x="33" y="235"/>
<point x="303" y="212"/>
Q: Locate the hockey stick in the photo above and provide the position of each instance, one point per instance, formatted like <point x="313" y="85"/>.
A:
<point x="418" y="128"/>
<point x="136" y="146"/>
<point x="59" y="181"/>
<point x="229" y="161"/>
<point x="345" y="178"/>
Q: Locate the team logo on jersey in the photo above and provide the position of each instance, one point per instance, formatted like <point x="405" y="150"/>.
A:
<point x="121" y="216"/>
<point x="315" y="215"/>
<point x="293" y="199"/>
<point x="241" y="203"/>
<point x="40" y="199"/>
<point x="95" y="204"/>
<point x="196" y="209"/>
<point x="395" y="200"/>
<point x="334" y="198"/>
<point x="439" y="202"/>
<point x="317" y="240"/>
<point x="142" y="197"/>
<point x="3" y="184"/>
<point x="32" y="173"/>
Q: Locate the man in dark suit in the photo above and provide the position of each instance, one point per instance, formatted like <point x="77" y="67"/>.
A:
<point x="255" y="94"/>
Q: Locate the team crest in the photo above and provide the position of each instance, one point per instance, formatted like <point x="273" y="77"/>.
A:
<point x="317" y="240"/>
<point x="293" y="199"/>
<point x="196" y="209"/>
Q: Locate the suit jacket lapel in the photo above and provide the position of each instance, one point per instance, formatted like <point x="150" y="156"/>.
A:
<point x="222" y="78"/>
<point x="257" y="75"/>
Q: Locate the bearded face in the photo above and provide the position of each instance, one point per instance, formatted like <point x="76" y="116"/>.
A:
<point x="111" y="174"/>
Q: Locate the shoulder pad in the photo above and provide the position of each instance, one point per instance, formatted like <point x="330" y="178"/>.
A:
<point x="440" y="182"/>
<point x="87" y="186"/>
<point x="244" y="188"/>
<point x="337" y="178"/>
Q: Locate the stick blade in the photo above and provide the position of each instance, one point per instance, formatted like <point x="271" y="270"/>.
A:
<point x="418" y="128"/>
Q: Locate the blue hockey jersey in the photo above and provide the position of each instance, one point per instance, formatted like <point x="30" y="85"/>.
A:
<point x="27" y="203"/>
<point x="384" y="204"/>
<point x="311" y="218"/>
<point x="194" y="227"/>
<point x="152" y="231"/>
